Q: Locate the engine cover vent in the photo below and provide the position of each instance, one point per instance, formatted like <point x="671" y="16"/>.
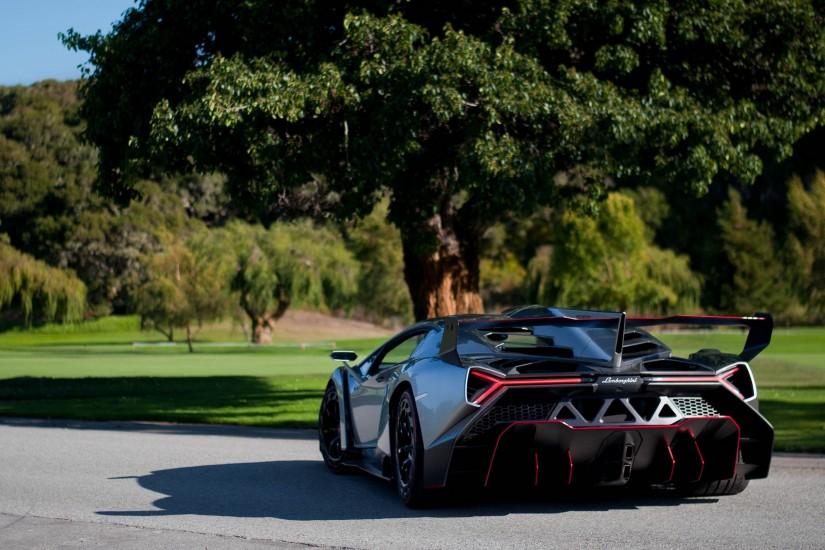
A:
<point x="694" y="406"/>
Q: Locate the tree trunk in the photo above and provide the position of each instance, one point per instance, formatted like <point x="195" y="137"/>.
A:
<point x="262" y="329"/>
<point x="189" y="338"/>
<point x="264" y="323"/>
<point x="443" y="281"/>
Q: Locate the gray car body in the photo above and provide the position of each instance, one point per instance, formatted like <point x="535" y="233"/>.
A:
<point x="368" y="395"/>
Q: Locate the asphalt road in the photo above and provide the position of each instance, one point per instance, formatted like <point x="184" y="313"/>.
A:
<point x="86" y="485"/>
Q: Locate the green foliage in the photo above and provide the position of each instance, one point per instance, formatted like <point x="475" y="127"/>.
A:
<point x="755" y="278"/>
<point x="186" y="285"/>
<point x="652" y="206"/>
<point x="500" y="81"/>
<point x="806" y="243"/>
<point x="607" y="262"/>
<point x="50" y="209"/>
<point x="40" y="292"/>
<point x="290" y="264"/>
<point x="46" y="172"/>
<point x="382" y="296"/>
<point x="503" y="277"/>
<point x="464" y="111"/>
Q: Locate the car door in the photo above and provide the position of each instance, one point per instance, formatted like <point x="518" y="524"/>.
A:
<point x="367" y="397"/>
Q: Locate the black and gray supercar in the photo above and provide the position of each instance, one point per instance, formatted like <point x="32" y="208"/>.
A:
<point x="549" y="398"/>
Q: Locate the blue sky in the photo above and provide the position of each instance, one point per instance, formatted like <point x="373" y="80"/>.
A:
<point x="29" y="48"/>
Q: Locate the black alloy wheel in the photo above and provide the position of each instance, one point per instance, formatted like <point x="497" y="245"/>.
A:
<point x="329" y="430"/>
<point x="407" y="451"/>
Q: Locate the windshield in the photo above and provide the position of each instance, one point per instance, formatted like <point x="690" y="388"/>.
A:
<point x="593" y="344"/>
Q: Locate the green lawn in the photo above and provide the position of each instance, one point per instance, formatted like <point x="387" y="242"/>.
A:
<point x="790" y="375"/>
<point x="96" y="372"/>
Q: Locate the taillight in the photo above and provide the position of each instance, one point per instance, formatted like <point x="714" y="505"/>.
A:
<point x="480" y="386"/>
<point x="740" y="381"/>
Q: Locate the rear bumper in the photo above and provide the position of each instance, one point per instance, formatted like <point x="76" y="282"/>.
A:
<point x="543" y="452"/>
<point x="554" y="453"/>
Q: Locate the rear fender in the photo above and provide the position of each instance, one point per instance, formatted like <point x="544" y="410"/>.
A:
<point x="340" y="377"/>
<point x="439" y="391"/>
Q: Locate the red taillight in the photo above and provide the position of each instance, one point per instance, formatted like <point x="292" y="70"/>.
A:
<point x="739" y="381"/>
<point x="481" y="386"/>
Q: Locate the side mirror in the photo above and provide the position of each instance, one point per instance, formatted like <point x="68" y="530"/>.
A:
<point x="340" y="355"/>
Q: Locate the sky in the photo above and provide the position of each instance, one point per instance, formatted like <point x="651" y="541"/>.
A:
<point x="29" y="47"/>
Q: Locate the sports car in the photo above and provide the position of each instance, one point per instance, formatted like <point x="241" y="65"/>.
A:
<point x="550" y="399"/>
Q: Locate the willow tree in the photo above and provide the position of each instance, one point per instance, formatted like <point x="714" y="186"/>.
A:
<point x="289" y="264"/>
<point x="186" y="285"/>
<point x="462" y="110"/>
<point x="37" y="291"/>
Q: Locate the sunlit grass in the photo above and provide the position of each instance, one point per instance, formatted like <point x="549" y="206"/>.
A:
<point x="106" y="371"/>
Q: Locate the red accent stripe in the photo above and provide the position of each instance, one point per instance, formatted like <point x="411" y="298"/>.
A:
<point x="686" y="379"/>
<point x="738" y="445"/>
<point x="675" y="426"/>
<point x="708" y="317"/>
<point x="569" y="467"/>
<point x="499" y="383"/>
<point x="721" y="379"/>
<point x="672" y="462"/>
<point x="730" y="373"/>
<point x="671" y="319"/>
<point x="699" y="454"/>
<point x="725" y="379"/>
<point x="519" y="320"/>
<point x="536" y="461"/>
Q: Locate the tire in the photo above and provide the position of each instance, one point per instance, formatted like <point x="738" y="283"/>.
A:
<point x="407" y="452"/>
<point x="732" y="486"/>
<point x="329" y="431"/>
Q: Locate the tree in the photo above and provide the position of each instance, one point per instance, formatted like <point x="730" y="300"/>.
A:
<point x="382" y="295"/>
<point x="186" y="285"/>
<point x="463" y="111"/>
<point x="755" y="269"/>
<point x="35" y="290"/>
<point x="806" y="243"/>
<point x="49" y="208"/>
<point x="502" y="275"/>
<point x="607" y="262"/>
<point x="288" y="264"/>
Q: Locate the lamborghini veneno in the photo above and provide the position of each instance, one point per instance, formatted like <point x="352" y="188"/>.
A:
<point x="549" y="398"/>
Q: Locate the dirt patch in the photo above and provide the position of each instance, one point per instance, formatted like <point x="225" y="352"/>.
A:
<point x="306" y="326"/>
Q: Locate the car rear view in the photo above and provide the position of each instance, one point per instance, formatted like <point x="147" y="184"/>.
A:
<point x="575" y="399"/>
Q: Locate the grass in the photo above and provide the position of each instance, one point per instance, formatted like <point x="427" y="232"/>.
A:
<point x="95" y="371"/>
<point x="790" y="376"/>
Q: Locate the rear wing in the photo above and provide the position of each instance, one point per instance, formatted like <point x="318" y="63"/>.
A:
<point x="760" y="328"/>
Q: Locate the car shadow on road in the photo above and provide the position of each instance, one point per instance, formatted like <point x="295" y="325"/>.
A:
<point x="304" y="490"/>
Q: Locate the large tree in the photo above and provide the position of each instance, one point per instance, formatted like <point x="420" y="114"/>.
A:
<point x="462" y="110"/>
